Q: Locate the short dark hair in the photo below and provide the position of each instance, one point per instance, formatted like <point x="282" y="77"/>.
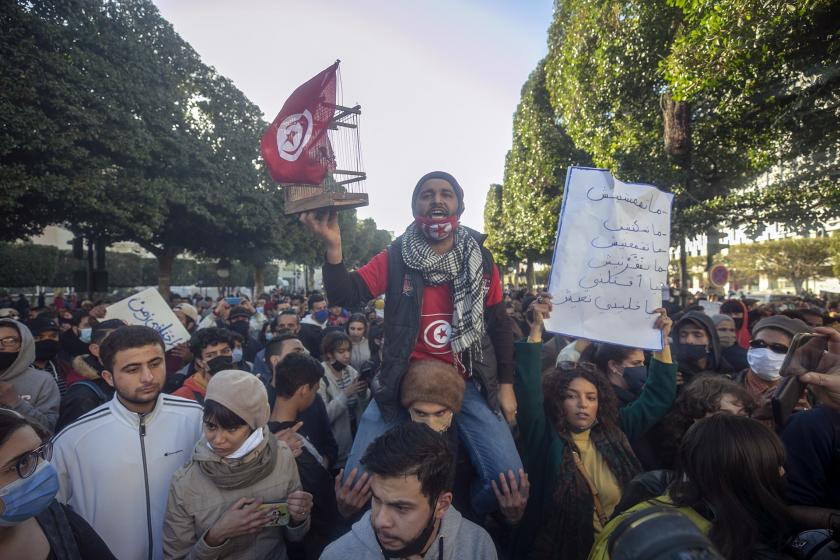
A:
<point x="296" y="370"/>
<point x="357" y="318"/>
<point x="731" y="306"/>
<point x="126" y="338"/>
<point x="332" y="340"/>
<point x="103" y="329"/>
<point x="603" y="354"/>
<point x="221" y="415"/>
<point x="413" y="449"/>
<point x="286" y="312"/>
<point x="275" y="346"/>
<point x="315" y="298"/>
<point x="209" y="337"/>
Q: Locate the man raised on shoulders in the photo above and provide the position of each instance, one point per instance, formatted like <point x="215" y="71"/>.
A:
<point x="443" y="302"/>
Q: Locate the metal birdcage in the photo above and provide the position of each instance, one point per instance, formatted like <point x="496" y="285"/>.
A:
<point x="344" y="186"/>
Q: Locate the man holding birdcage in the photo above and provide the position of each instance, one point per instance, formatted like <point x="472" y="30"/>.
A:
<point x="443" y="301"/>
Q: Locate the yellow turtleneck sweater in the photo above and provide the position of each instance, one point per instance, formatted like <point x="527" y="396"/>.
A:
<point x="609" y="490"/>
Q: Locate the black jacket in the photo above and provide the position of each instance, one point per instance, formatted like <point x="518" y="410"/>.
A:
<point x="403" y="304"/>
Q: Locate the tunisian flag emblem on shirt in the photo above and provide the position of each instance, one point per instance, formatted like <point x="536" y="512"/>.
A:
<point x="295" y="146"/>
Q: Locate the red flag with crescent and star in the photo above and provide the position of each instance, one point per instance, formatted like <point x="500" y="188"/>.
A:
<point x="295" y="146"/>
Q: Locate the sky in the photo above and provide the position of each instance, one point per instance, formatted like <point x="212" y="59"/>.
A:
<point x="438" y="80"/>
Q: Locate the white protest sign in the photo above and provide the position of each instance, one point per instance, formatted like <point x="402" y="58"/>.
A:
<point x="149" y="309"/>
<point x="610" y="260"/>
<point x="710" y="307"/>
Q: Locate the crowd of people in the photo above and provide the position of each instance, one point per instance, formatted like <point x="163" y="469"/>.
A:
<point x="415" y="408"/>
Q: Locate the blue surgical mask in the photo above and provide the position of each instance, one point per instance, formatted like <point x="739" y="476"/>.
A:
<point x="27" y="497"/>
<point x="321" y="315"/>
<point x="237" y="355"/>
<point x="269" y="336"/>
<point x="635" y="378"/>
<point x="84" y="335"/>
<point x="260" y="310"/>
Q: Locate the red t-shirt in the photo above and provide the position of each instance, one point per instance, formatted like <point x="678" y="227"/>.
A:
<point x="436" y="309"/>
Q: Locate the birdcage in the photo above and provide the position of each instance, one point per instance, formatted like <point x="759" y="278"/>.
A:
<point x="343" y="187"/>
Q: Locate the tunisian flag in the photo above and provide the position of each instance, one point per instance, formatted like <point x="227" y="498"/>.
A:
<point x="295" y="146"/>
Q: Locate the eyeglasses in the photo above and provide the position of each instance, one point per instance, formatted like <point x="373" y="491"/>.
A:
<point x="586" y="366"/>
<point x="28" y="462"/>
<point x="10" y="342"/>
<point x="773" y="346"/>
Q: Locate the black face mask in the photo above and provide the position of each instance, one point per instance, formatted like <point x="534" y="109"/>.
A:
<point x="7" y="359"/>
<point x="71" y="344"/>
<point x="219" y="363"/>
<point x="338" y="366"/>
<point x="415" y="546"/>
<point x="688" y="356"/>
<point x="738" y="323"/>
<point x="240" y="327"/>
<point x="46" y="350"/>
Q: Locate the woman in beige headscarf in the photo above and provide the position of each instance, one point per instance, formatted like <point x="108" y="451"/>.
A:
<point x="240" y="495"/>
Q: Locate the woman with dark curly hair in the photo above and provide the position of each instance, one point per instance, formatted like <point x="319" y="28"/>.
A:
<point x="704" y="396"/>
<point x="728" y="482"/>
<point x="575" y="445"/>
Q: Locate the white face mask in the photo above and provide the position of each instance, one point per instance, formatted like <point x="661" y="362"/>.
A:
<point x="247" y="446"/>
<point x="765" y="363"/>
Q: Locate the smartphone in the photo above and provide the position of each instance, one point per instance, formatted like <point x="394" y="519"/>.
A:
<point x="279" y="513"/>
<point x="805" y="353"/>
<point x="233" y="300"/>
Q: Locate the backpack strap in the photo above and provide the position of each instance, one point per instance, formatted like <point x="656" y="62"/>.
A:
<point x="97" y="390"/>
<point x="199" y="398"/>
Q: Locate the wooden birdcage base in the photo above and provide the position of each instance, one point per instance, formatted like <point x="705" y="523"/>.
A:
<point x="337" y="200"/>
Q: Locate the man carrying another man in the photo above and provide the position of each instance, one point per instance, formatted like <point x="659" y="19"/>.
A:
<point x="443" y="301"/>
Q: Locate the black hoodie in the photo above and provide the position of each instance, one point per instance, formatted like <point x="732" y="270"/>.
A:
<point x="717" y="363"/>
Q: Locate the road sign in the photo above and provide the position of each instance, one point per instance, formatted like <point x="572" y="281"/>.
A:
<point x="718" y="275"/>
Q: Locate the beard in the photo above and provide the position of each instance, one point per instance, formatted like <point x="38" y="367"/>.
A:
<point x="413" y="547"/>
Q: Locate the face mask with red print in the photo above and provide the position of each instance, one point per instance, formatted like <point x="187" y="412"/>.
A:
<point x="437" y="229"/>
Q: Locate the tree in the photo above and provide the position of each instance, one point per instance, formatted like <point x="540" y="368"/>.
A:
<point x="521" y="216"/>
<point x="122" y="134"/>
<point x="797" y="259"/>
<point x="772" y="64"/>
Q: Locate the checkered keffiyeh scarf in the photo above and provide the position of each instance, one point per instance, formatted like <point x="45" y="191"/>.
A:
<point x="463" y="267"/>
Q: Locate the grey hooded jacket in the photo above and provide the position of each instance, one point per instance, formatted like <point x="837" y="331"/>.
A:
<point x="39" y="396"/>
<point x="458" y="538"/>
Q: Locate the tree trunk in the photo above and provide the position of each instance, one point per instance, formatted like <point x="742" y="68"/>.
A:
<point x="259" y="281"/>
<point x="683" y="274"/>
<point x="90" y="270"/>
<point x="530" y="277"/>
<point x="165" y="261"/>
<point x="797" y="284"/>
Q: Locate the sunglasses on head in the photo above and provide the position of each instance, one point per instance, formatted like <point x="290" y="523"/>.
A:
<point x="773" y="346"/>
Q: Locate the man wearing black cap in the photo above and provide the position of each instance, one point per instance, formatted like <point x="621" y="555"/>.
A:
<point x="444" y="301"/>
<point x="45" y="331"/>
<point x="92" y="391"/>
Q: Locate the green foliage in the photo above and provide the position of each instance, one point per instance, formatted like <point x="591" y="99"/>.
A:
<point x="27" y="265"/>
<point x="834" y="252"/>
<point x="521" y="216"/>
<point x="795" y="258"/>
<point x="30" y="265"/>
<point x="758" y="83"/>
<point x="118" y="131"/>
<point x="772" y="65"/>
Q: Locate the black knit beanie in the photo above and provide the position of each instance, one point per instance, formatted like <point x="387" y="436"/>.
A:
<point x="459" y="192"/>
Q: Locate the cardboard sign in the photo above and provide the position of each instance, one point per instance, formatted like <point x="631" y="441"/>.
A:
<point x="710" y="307"/>
<point x="610" y="260"/>
<point x="149" y="309"/>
